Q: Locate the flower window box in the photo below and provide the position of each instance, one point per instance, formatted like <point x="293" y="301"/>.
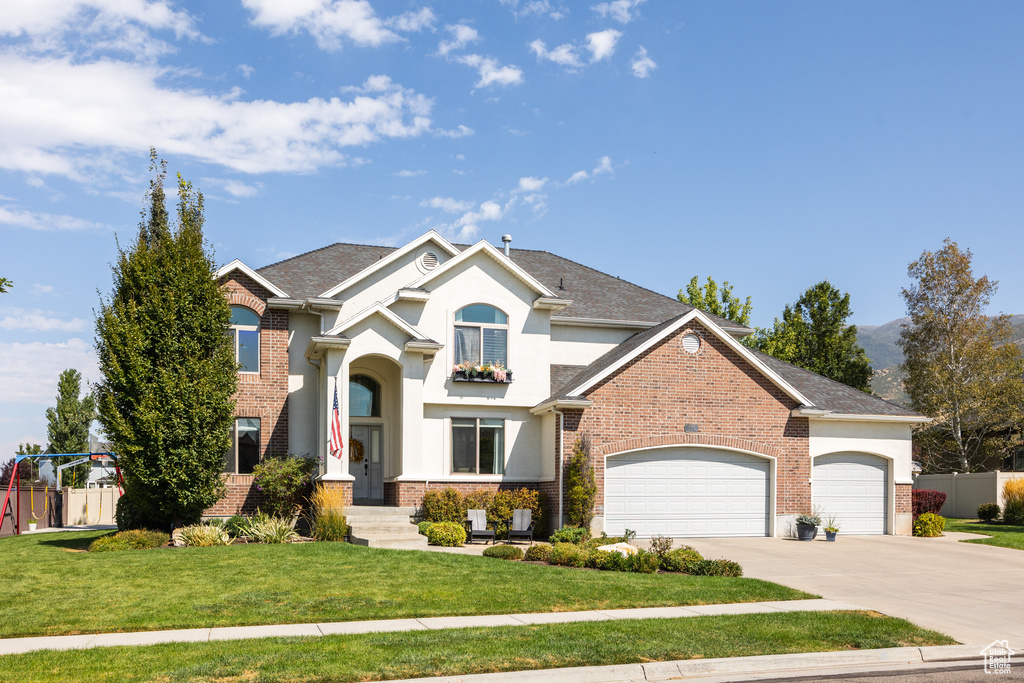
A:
<point x="493" y="374"/>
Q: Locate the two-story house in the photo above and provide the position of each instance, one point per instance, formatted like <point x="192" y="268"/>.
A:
<point x="692" y="433"/>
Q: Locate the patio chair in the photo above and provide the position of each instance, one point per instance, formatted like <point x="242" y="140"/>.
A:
<point x="522" y="525"/>
<point x="478" y="526"/>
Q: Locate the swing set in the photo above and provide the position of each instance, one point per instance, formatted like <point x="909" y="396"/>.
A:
<point x="15" y="484"/>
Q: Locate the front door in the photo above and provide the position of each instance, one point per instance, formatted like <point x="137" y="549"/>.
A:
<point x="364" y="463"/>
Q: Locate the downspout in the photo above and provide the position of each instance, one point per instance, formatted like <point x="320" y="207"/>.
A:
<point x="561" y="464"/>
<point x="306" y="306"/>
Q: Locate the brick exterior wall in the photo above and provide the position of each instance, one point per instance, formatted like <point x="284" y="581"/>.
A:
<point x="904" y="502"/>
<point x="241" y="499"/>
<point x="410" y="493"/>
<point x="733" y="404"/>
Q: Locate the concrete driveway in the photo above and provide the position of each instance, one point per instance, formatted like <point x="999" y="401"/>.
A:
<point x="973" y="593"/>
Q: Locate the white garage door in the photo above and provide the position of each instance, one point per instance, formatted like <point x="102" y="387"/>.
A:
<point x="853" y="488"/>
<point x="681" y="492"/>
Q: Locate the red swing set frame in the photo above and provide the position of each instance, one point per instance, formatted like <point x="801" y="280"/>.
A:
<point x="16" y="513"/>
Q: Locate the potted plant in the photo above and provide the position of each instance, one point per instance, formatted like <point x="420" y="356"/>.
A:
<point x="831" y="529"/>
<point x="807" y="527"/>
<point x="32" y="521"/>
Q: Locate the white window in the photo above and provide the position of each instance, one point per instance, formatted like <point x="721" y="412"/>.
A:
<point x="478" y="446"/>
<point x="245" y="333"/>
<point x="244" y="453"/>
<point x="481" y="336"/>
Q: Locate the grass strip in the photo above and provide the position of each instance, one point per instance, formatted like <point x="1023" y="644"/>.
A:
<point x="51" y="589"/>
<point x="1003" y="535"/>
<point x="467" y="651"/>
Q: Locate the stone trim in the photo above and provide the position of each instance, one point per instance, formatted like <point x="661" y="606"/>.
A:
<point x="236" y="298"/>
<point x="712" y="440"/>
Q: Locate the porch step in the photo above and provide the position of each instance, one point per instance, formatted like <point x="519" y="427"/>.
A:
<point x="383" y="527"/>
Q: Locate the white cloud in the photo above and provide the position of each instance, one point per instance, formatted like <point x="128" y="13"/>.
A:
<point x="462" y="35"/>
<point x="491" y="71"/>
<point x="619" y="10"/>
<point x="577" y="177"/>
<point x="68" y="118"/>
<point x="34" y="220"/>
<point x="42" y="289"/>
<point x="448" y="204"/>
<point x="121" y="25"/>
<point x="39" y="321"/>
<point x="29" y="371"/>
<point x="460" y="132"/>
<point x="410" y="174"/>
<point x="235" y="188"/>
<point x="536" y="8"/>
<point x="566" y="55"/>
<point x="604" y="165"/>
<point x="330" y="21"/>
<point x="602" y="44"/>
<point x="246" y="70"/>
<point x="642" y="65"/>
<point x="531" y="184"/>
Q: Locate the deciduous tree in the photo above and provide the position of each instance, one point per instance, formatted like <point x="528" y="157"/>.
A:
<point x="168" y="367"/>
<point x="960" y="369"/>
<point x="4" y="284"/>
<point x="719" y="302"/>
<point x="813" y="334"/>
<point x="68" y="425"/>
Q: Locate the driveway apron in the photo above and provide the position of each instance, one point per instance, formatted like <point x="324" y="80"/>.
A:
<point x="973" y="593"/>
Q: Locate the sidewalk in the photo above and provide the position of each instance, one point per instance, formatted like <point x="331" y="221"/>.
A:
<point x="195" y="635"/>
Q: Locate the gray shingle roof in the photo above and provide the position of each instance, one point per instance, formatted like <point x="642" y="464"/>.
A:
<point x="594" y="294"/>
<point x="560" y="374"/>
<point x="822" y="392"/>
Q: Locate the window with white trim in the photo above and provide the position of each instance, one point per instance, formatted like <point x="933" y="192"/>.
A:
<point x="245" y="334"/>
<point x="478" y="446"/>
<point x="244" y="453"/>
<point x="481" y="336"/>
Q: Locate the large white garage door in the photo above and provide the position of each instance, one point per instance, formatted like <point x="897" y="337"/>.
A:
<point x="681" y="492"/>
<point x="852" y="487"/>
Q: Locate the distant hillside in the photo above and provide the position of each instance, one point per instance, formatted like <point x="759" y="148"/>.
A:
<point x="879" y="342"/>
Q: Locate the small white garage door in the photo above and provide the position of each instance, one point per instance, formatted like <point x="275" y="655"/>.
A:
<point x="681" y="492"/>
<point x="852" y="487"/>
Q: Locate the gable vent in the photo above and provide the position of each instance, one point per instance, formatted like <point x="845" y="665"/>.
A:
<point x="429" y="260"/>
<point x="691" y="343"/>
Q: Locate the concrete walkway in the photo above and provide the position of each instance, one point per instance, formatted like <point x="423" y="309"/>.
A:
<point x="196" y="635"/>
<point x="968" y="591"/>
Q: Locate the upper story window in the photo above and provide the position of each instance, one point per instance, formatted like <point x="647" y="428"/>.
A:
<point x="363" y="397"/>
<point x="481" y="336"/>
<point x="245" y="333"/>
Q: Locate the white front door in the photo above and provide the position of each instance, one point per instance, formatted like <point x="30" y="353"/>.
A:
<point x="679" y="492"/>
<point x="853" y="488"/>
<point x="364" y="463"/>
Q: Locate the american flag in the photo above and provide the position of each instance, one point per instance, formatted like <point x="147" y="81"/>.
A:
<point x="336" y="443"/>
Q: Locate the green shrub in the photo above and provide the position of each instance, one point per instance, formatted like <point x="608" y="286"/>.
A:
<point x="988" y="512"/>
<point x="504" y="552"/>
<point x="569" y="555"/>
<point x="424" y="527"/>
<point x="204" y="535"/>
<point x="661" y="546"/>
<point x="284" y="482"/>
<point x="715" y="568"/>
<point x="329" y="524"/>
<point x="606" y="560"/>
<point x="234" y="524"/>
<point x="132" y="539"/>
<point x="580" y="487"/>
<point x="504" y="503"/>
<point x="929" y="524"/>
<point x="450" y="534"/>
<point x="643" y="562"/>
<point x="540" y="552"/>
<point x="570" y="534"/>
<point x="680" y="559"/>
<point x="264" y="528"/>
<point x="1013" y="513"/>
<point x="130" y="512"/>
<point x="480" y="500"/>
<point x="444" y="506"/>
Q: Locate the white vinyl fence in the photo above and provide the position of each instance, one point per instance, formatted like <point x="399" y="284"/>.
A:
<point x="965" y="492"/>
<point x="90" y="506"/>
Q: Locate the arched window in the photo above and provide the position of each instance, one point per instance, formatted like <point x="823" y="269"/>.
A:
<point x="363" y="397"/>
<point x="481" y="335"/>
<point x="245" y="332"/>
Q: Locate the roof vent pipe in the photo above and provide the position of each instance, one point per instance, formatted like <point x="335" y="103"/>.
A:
<point x="507" y="239"/>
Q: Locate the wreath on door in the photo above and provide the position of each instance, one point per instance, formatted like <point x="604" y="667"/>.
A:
<point x="355" y="451"/>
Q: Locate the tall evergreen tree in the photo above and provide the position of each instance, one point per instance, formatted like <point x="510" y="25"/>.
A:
<point x="722" y="303"/>
<point x="961" y="369"/>
<point x="68" y="425"/>
<point x="168" y="367"/>
<point x="813" y="334"/>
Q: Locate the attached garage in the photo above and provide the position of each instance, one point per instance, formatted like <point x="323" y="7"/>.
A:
<point x="852" y="487"/>
<point x="687" y="491"/>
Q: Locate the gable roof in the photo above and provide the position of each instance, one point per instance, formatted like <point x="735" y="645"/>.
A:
<point x="429" y="236"/>
<point x="817" y="391"/>
<point x="387" y="314"/>
<point x="260" y="279"/>
<point x="483" y="247"/>
<point x="595" y="295"/>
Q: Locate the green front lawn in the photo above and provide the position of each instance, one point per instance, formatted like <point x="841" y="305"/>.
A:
<point x="1000" y="534"/>
<point x="476" y="650"/>
<point x="53" y="588"/>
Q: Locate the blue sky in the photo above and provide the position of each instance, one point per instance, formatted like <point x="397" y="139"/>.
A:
<point x="770" y="144"/>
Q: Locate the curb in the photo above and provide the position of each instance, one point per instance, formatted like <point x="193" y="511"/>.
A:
<point x="798" y="663"/>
